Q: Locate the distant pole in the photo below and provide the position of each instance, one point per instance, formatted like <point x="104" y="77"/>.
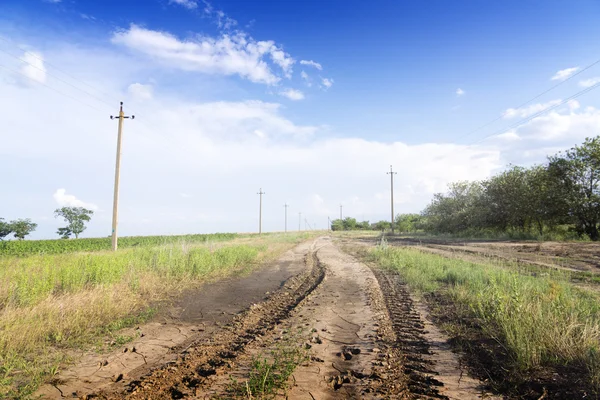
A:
<point x="392" y="173"/>
<point x="115" y="219"/>
<point x="328" y="223"/>
<point x="341" y="211"/>
<point x="260" y="192"/>
<point x="286" y="207"/>
<point x="299" y="221"/>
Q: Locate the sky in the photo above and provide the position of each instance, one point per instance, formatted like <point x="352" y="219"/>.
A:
<point x="310" y="101"/>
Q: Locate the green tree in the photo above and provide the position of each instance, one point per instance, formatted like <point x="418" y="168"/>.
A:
<point x="76" y="217"/>
<point x="381" y="226"/>
<point x="456" y="210"/>
<point x="337" y="225"/>
<point x="22" y="227"/>
<point x="577" y="177"/>
<point x="5" y="229"/>
<point x="408" y="222"/>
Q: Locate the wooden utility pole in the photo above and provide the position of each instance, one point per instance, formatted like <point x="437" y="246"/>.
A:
<point x="286" y="207"/>
<point x="341" y="212"/>
<point x="115" y="219"/>
<point x="299" y="221"/>
<point x="392" y="173"/>
<point x="260" y="192"/>
<point x="328" y="223"/>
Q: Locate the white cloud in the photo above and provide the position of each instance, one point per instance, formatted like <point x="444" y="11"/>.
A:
<point x="53" y="1"/>
<point x="564" y="74"/>
<point x="312" y="64"/>
<point x="589" y="82"/>
<point x="327" y="82"/>
<point x="292" y="94"/>
<point x="460" y="92"/>
<point x="189" y="4"/>
<point x="525" y="112"/>
<point x="236" y="54"/>
<point x="140" y="91"/>
<point x="34" y="67"/>
<point x="68" y="200"/>
<point x="306" y="78"/>
<point x="185" y="195"/>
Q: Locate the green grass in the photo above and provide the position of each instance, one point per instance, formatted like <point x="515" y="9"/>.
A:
<point x="53" y="303"/>
<point x="29" y="247"/>
<point x="269" y="373"/>
<point x="541" y="321"/>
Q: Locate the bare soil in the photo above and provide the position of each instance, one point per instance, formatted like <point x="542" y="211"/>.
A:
<point x="365" y="336"/>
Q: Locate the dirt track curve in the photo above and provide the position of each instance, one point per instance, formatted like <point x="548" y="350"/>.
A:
<point x="366" y="337"/>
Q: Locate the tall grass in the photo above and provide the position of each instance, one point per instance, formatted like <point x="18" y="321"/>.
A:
<point x="539" y="320"/>
<point x="52" y="303"/>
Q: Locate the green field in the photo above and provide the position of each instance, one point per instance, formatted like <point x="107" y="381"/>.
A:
<point x="28" y="247"/>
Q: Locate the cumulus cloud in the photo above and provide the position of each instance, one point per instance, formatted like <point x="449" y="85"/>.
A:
<point x="34" y="67"/>
<point x="189" y="4"/>
<point x="564" y="74"/>
<point x="327" y="82"/>
<point x="589" y="82"/>
<point x="140" y="91"/>
<point x="460" y="92"/>
<point x="312" y="64"/>
<point x="236" y="54"/>
<point x="68" y="200"/>
<point x="525" y="112"/>
<point x="292" y="94"/>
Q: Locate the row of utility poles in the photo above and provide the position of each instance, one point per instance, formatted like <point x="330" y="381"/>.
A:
<point x="260" y="192"/>
<point x="115" y="221"/>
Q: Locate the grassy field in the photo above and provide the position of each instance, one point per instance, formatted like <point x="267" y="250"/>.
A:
<point x="541" y="321"/>
<point x="30" y="247"/>
<point x="53" y="303"/>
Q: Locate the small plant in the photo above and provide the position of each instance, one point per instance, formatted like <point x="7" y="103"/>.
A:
<point x="269" y="373"/>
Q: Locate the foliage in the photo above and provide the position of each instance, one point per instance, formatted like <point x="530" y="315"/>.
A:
<point x="349" y="224"/>
<point x="380" y="226"/>
<point x="565" y="191"/>
<point x="76" y="217"/>
<point x="5" y="229"/>
<point x="408" y="222"/>
<point x="30" y="247"/>
<point x="22" y="228"/>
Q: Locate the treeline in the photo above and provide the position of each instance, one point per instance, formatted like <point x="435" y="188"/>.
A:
<point x="351" y="224"/>
<point x="563" y="192"/>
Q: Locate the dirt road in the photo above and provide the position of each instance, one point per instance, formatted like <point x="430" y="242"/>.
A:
<point x="362" y="333"/>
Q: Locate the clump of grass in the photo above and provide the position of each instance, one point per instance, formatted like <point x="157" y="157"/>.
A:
<point x="541" y="321"/>
<point x="269" y="373"/>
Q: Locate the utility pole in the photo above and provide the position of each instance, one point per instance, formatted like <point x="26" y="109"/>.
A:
<point x="260" y="192"/>
<point x="341" y="212"/>
<point x="286" y="205"/>
<point x="115" y="220"/>
<point x="392" y="173"/>
<point x="328" y="224"/>
<point x="299" y="221"/>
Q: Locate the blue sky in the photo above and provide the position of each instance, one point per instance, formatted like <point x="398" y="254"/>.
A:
<point x="311" y="100"/>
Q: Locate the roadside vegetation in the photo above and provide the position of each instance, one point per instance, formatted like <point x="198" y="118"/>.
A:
<point x="51" y="303"/>
<point x="557" y="200"/>
<point x="538" y="325"/>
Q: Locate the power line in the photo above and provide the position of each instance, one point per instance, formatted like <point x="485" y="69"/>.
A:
<point x="50" y="87"/>
<point x="530" y="100"/>
<point x="539" y="113"/>
<point x="56" y="77"/>
<point x="54" y="66"/>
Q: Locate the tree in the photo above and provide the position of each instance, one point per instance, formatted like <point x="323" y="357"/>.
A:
<point x="380" y="226"/>
<point x="5" y="229"/>
<point x="408" y="222"/>
<point x="76" y="217"/>
<point x="577" y="177"/>
<point x="337" y="225"/>
<point x="22" y="227"/>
